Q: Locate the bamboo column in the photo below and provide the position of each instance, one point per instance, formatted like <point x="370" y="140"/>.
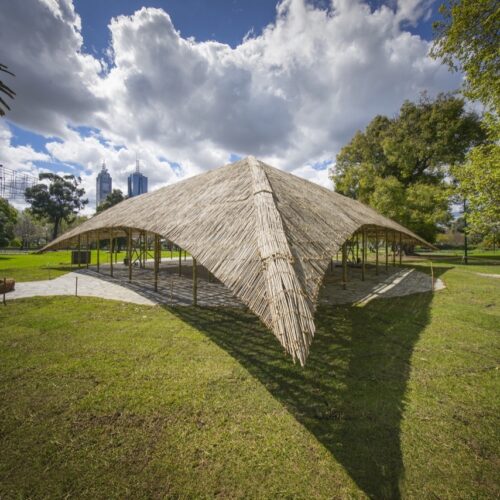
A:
<point x="386" y="250"/>
<point x="363" y="255"/>
<point x="376" y="251"/>
<point x="98" y="247"/>
<point x="195" y="283"/>
<point x="111" y="248"/>
<point x="88" y="250"/>
<point x="400" y="250"/>
<point x="180" y="261"/>
<point x="394" y="249"/>
<point x="357" y="248"/>
<point x="344" y="266"/>
<point x="129" y="253"/>
<point x="157" y="259"/>
<point x="79" y="252"/>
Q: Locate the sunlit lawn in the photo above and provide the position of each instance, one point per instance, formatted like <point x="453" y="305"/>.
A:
<point x="108" y="400"/>
<point x="49" y="265"/>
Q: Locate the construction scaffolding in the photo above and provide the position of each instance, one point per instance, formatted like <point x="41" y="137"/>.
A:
<point x="13" y="183"/>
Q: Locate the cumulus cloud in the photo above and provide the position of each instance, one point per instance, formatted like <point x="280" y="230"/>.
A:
<point x="55" y="81"/>
<point x="292" y="95"/>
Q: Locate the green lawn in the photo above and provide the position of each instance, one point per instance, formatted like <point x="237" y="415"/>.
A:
<point x="35" y="267"/>
<point x="399" y="398"/>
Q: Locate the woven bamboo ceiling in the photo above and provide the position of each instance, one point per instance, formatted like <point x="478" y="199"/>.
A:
<point x="266" y="234"/>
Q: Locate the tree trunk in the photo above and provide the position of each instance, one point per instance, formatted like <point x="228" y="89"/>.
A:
<point x="465" y="234"/>
<point x="56" y="228"/>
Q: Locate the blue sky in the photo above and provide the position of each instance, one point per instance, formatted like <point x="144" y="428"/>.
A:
<point x="291" y="96"/>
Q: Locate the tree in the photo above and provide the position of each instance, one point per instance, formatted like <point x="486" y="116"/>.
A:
<point x="8" y="217"/>
<point x="59" y="200"/>
<point x="30" y="230"/>
<point x="467" y="40"/>
<point x="400" y="166"/>
<point x="113" y="198"/>
<point x="5" y="90"/>
<point x="478" y="184"/>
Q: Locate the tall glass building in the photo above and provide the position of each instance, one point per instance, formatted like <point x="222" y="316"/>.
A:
<point x="137" y="182"/>
<point x="103" y="185"/>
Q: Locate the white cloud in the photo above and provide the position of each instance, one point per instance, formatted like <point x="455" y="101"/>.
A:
<point x="292" y="95"/>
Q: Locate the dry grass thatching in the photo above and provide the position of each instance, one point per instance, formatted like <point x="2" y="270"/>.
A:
<point x="267" y="235"/>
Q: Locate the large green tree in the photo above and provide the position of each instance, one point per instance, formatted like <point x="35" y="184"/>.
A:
<point x="8" y="217"/>
<point x="59" y="198"/>
<point x="401" y="165"/>
<point x="113" y="198"/>
<point x="468" y="40"/>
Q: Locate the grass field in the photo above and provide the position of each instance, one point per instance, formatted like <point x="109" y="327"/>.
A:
<point x="399" y="399"/>
<point x="35" y="267"/>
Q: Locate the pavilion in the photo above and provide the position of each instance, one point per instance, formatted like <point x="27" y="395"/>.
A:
<point x="267" y="235"/>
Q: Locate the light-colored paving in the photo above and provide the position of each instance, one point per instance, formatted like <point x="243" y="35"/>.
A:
<point x="175" y="289"/>
<point x="77" y="284"/>
<point x="489" y="275"/>
<point x="393" y="282"/>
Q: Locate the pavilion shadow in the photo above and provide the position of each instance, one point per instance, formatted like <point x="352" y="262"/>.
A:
<point x="351" y="394"/>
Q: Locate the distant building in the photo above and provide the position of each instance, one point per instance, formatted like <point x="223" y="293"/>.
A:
<point x="103" y="185"/>
<point x="137" y="182"/>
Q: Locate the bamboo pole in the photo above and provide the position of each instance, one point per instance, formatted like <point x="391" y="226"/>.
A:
<point x="344" y="266"/>
<point x="157" y="259"/>
<point x="111" y="248"/>
<point x="400" y="250"/>
<point x="79" y="252"/>
<point x="88" y="252"/>
<point x="98" y="246"/>
<point x="376" y="251"/>
<point x="195" y="283"/>
<point x="363" y="255"/>
<point x="386" y="250"/>
<point x="357" y="248"/>
<point x="129" y="253"/>
<point x="180" y="262"/>
<point x="394" y="249"/>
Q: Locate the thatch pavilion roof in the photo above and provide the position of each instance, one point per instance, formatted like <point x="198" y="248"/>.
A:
<point x="268" y="235"/>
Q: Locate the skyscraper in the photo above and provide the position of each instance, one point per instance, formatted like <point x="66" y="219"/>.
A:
<point x="137" y="182"/>
<point x="103" y="185"/>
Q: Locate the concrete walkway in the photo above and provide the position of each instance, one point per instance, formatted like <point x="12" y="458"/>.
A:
<point x="86" y="286"/>
<point x="176" y="290"/>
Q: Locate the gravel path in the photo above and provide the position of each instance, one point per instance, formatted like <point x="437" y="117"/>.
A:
<point x="175" y="290"/>
<point x="88" y="286"/>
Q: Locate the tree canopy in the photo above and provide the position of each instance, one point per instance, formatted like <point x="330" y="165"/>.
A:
<point x="467" y="39"/>
<point x="8" y="217"/>
<point x="113" y="198"/>
<point x="399" y="165"/>
<point x="59" y="200"/>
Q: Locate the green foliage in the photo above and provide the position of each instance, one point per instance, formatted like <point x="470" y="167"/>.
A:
<point x="15" y="243"/>
<point x="8" y="217"/>
<point x="399" y="165"/>
<point x="467" y="39"/>
<point x="113" y="198"/>
<point x="31" y="230"/>
<point x="479" y="184"/>
<point x="60" y="200"/>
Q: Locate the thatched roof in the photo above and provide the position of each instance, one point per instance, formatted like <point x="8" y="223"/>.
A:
<point x="266" y="234"/>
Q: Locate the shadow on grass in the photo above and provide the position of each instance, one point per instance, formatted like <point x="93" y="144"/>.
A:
<point x="351" y="394"/>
